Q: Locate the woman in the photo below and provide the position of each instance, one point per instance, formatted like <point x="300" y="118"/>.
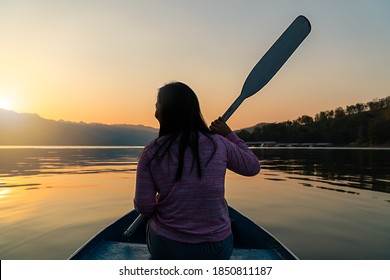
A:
<point x="181" y="177"/>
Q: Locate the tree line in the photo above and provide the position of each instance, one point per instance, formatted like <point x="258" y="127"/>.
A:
<point x="360" y="124"/>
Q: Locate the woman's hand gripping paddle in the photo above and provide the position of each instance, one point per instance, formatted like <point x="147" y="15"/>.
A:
<point x="260" y="75"/>
<point x="272" y="61"/>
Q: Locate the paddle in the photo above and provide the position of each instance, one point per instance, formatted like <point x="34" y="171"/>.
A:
<point x="134" y="225"/>
<point x="272" y="61"/>
<point x="260" y="75"/>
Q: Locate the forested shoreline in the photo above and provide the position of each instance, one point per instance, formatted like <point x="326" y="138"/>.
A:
<point x="356" y="125"/>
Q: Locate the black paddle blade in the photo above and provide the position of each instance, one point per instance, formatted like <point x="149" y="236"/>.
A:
<point x="272" y="61"/>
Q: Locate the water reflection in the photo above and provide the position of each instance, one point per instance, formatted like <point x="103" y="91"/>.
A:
<point x="53" y="200"/>
<point x="354" y="168"/>
<point x="341" y="168"/>
<point x="54" y="161"/>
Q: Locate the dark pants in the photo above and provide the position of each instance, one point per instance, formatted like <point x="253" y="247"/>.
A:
<point x="162" y="248"/>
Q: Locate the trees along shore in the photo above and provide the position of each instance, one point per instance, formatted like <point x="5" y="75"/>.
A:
<point x="363" y="125"/>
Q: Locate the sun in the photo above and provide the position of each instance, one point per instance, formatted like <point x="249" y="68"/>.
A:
<point x="5" y="103"/>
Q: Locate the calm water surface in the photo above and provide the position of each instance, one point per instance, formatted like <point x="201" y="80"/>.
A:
<point x="321" y="203"/>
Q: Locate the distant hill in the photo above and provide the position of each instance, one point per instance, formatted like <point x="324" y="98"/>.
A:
<point x="31" y="129"/>
<point x="362" y="124"/>
<point x="252" y="128"/>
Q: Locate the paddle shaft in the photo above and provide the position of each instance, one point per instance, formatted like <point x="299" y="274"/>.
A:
<point x="232" y="108"/>
<point x="134" y="225"/>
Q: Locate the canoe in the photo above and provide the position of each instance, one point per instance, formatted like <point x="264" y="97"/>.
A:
<point x="251" y="242"/>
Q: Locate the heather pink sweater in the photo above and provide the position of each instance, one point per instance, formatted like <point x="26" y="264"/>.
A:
<point x="192" y="210"/>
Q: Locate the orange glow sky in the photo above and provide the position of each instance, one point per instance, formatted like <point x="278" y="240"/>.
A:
<point x="103" y="61"/>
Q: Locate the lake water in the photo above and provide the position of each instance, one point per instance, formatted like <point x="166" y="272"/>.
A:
<point x="321" y="203"/>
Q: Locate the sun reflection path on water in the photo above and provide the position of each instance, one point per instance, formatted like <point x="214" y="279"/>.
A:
<point x="3" y="193"/>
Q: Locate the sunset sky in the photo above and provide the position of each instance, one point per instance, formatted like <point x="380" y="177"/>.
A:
<point x="103" y="61"/>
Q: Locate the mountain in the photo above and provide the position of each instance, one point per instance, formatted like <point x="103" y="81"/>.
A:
<point x="31" y="129"/>
<point x="252" y="128"/>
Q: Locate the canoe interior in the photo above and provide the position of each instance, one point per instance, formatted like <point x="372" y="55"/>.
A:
<point x="250" y="242"/>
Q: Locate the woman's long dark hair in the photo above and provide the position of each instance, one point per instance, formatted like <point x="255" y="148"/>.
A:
<point x="180" y="118"/>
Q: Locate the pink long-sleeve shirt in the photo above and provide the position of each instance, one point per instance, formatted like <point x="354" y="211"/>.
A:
<point x="192" y="210"/>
